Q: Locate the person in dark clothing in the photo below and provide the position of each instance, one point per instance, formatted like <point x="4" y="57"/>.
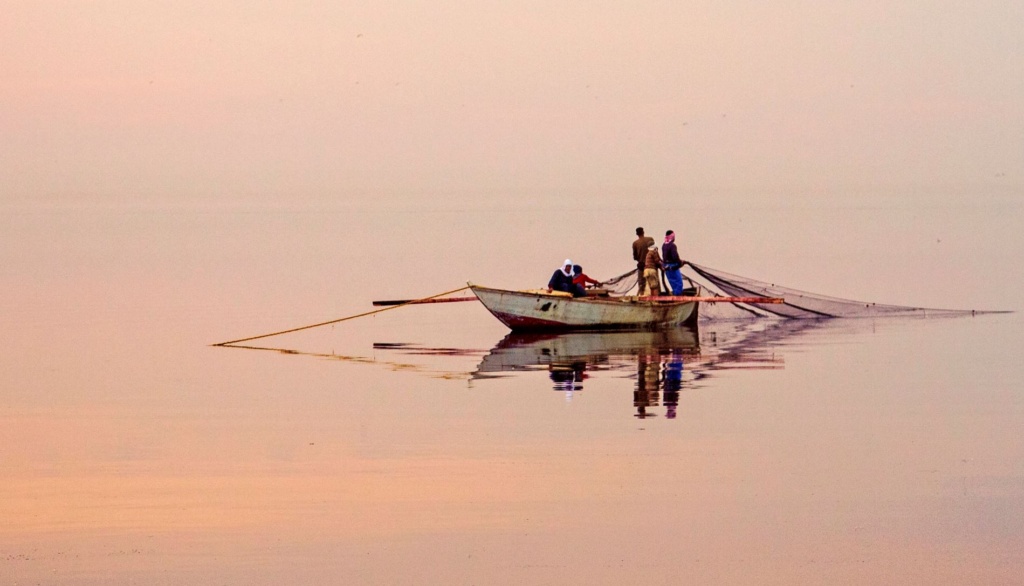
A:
<point x="640" y="246"/>
<point x="672" y="263"/>
<point x="561" y="280"/>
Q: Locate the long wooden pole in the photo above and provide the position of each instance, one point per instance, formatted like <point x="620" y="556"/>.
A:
<point x="713" y="299"/>
<point x="419" y="301"/>
<point x="705" y="299"/>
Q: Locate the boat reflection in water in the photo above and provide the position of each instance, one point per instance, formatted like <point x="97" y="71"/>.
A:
<point x="656" y="357"/>
<point x="662" y="363"/>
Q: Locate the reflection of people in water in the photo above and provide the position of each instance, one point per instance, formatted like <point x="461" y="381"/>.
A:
<point x="648" y="374"/>
<point x="655" y="373"/>
<point x="568" y="377"/>
<point x="673" y="381"/>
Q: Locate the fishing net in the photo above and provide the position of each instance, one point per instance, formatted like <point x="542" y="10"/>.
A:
<point x="796" y="303"/>
<point x="622" y="284"/>
<point x="627" y="282"/>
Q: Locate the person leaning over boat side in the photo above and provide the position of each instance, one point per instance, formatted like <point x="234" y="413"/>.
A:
<point x="580" y="279"/>
<point x="561" y="280"/>
<point x="670" y="256"/>
<point x="651" y="265"/>
<point x="640" y="246"/>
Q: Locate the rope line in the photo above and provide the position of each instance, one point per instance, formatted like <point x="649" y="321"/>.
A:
<point x="334" y="321"/>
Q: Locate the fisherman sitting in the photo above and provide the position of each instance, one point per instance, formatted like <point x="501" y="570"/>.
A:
<point x="561" y="280"/>
<point x="580" y="279"/>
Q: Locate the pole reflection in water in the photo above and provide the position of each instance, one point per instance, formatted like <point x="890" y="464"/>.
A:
<point x="663" y="363"/>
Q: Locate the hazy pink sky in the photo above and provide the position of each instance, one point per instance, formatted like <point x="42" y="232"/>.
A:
<point x="480" y="101"/>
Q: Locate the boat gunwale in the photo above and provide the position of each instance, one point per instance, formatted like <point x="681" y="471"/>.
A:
<point x="594" y="300"/>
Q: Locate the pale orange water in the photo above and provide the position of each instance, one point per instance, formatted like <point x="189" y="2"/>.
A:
<point x="133" y="452"/>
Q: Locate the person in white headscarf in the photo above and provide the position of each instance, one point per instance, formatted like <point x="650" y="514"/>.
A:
<point x="561" y="280"/>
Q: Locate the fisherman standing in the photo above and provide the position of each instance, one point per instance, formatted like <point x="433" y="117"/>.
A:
<point x="651" y="265"/>
<point x="670" y="256"/>
<point x="640" y="247"/>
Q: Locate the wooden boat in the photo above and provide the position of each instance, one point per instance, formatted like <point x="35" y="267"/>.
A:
<point x="540" y="310"/>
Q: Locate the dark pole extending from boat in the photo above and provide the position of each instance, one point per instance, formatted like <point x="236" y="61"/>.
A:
<point x="387" y="302"/>
<point x="418" y="301"/>
<point x="714" y="299"/>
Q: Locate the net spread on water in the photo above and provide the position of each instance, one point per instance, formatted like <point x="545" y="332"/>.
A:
<point x="796" y="303"/>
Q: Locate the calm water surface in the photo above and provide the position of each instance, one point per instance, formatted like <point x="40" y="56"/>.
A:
<point x="426" y="445"/>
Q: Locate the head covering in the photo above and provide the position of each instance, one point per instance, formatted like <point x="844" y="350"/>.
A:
<point x="670" y="236"/>
<point x="577" y="270"/>
<point x="652" y="246"/>
<point x="567" y="263"/>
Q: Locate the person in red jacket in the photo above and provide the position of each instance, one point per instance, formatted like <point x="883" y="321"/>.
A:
<point x="580" y="279"/>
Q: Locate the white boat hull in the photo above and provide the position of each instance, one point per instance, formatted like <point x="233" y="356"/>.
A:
<point x="539" y="311"/>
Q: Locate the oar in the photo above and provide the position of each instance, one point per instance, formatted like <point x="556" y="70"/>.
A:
<point x="418" y="301"/>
